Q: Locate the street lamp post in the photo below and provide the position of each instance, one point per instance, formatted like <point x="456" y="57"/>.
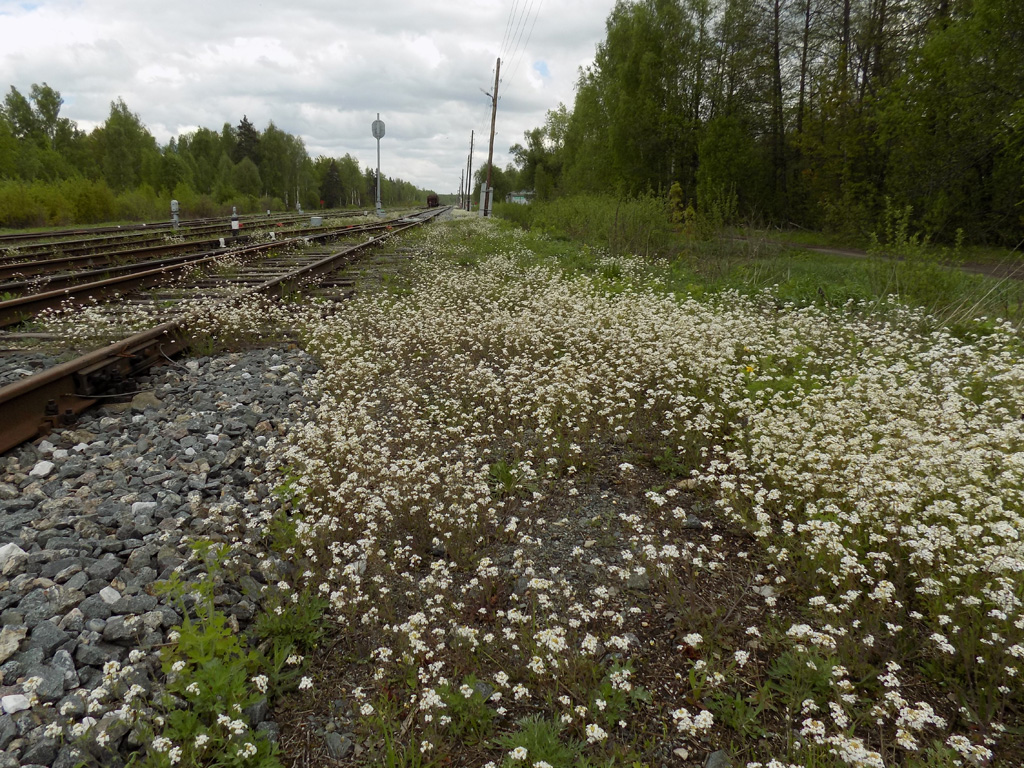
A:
<point x="378" y="134"/>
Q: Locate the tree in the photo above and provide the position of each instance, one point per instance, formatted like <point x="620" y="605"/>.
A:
<point x="539" y="162"/>
<point x="24" y="123"/>
<point x="202" y="150"/>
<point x="47" y="103"/>
<point x="284" y="164"/>
<point x="248" y="142"/>
<point x="501" y="182"/>
<point x="245" y="177"/>
<point x="122" y="145"/>
<point x="331" y="190"/>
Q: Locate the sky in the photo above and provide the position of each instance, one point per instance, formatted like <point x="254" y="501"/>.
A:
<point x="319" y="69"/>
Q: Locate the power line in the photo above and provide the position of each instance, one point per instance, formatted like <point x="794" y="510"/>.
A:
<point x="518" y="34"/>
<point x="515" y="67"/>
<point x="508" y="27"/>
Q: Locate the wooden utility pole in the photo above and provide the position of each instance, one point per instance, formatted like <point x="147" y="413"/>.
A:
<point x="490" y="149"/>
<point x="462" y="177"/>
<point x="469" y="174"/>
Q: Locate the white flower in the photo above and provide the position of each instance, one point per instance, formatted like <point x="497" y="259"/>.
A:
<point x="246" y="750"/>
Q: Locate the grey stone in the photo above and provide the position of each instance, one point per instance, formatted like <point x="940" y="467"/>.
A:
<point x="14" y="702"/>
<point x="338" y="747"/>
<point x="144" y="507"/>
<point x="9" y="551"/>
<point x="76" y="582"/>
<point x="73" y="705"/>
<point x="42" y="469"/>
<point x="94" y="655"/>
<point x="141" y="557"/>
<point x="639" y="581"/>
<point x="30" y="657"/>
<point x="250" y="587"/>
<point x="483" y="689"/>
<point x="73" y="621"/>
<point x="70" y="756"/>
<point x="121" y="628"/>
<point x="109" y="595"/>
<point x="271" y="729"/>
<point x="43" y="752"/>
<point x="62" y="542"/>
<point x="63" y="661"/>
<point x="67" y="573"/>
<point x="10" y="641"/>
<point x="52" y="686"/>
<point x="47" y="636"/>
<point x="257" y="712"/>
<point x="718" y="759"/>
<point x="8" y="730"/>
<point x="52" y="568"/>
<point x="62" y="599"/>
<point x="133" y="604"/>
<point x="243" y="610"/>
<point x="94" y="608"/>
<point x="168" y="557"/>
<point x="142" y="578"/>
<point x="115" y="728"/>
<point x="10" y="672"/>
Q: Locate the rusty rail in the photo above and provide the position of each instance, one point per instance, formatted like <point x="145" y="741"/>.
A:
<point x="48" y="399"/>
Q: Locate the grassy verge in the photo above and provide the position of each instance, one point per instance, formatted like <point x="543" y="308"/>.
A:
<point x="703" y="258"/>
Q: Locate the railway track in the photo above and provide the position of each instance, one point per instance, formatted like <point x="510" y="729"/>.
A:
<point x="54" y="256"/>
<point x="29" y="242"/>
<point x="49" y="288"/>
<point x="37" y="402"/>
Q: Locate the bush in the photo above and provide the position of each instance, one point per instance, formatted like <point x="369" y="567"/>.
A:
<point x="639" y="226"/>
<point x="141" y="204"/>
<point x="93" y="201"/>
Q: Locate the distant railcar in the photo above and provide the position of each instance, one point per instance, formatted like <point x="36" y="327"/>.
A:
<point x="432" y="201"/>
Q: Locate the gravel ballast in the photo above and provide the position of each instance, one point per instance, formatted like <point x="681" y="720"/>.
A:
<point x="94" y="515"/>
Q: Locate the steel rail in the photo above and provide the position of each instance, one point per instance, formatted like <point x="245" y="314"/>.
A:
<point x="15" y="310"/>
<point x="36" y="403"/>
<point x="13" y="237"/>
<point x="129" y="241"/>
<point x="50" y="266"/>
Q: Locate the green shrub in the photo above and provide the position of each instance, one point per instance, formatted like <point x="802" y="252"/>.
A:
<point x="639" y="225"/>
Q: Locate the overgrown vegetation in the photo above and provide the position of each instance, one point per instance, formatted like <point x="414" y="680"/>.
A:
<point x="560" y="509"/>
<point x="706" y="253"/>
<point x="620" y="225"/>
<point x="570" y="518"/>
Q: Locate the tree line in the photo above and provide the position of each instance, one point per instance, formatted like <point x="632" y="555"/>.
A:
<point x="52" y="172"/>
<point x="815" y="113"/>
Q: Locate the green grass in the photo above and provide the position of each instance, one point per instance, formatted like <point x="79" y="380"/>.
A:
<point x="902" y="264"/>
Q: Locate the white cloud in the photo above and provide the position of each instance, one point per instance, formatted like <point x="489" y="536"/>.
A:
<point x="320" y="69"/>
